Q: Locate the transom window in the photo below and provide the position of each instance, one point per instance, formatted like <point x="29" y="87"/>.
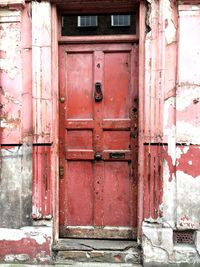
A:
<point x="101" y="24"/>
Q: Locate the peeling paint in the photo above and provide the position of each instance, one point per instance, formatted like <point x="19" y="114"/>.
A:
<point x="180" y="151"/>
<point x="169" y="196"/>
<point x="39" y="234"/>
<point x="187" y="133"/>
<point x="10" y="40"/>
<point x="168" y="120"/>
<point x="188" y="196"/>
<point x="170" y="29"/>
<point x="186" y="96"/>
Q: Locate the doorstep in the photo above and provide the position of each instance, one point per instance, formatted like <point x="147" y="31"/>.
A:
<point x="78" y="264"/>
<point x="69" y="251"/>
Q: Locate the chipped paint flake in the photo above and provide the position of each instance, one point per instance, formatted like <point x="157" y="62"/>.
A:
<point x="187" y="95"/>
<point x="170" y="29"/>
<point x="170" y="129"/>
<point x="187" y="133"/>
<point x="188" y="188"/>
<point x="169" y="196"/>
<point x="39" y="234"/>
<point x="10" y="40"/>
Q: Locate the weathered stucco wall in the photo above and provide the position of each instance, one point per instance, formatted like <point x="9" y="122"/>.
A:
<point x="15" y="118"/>
<point x="171" y="128"/>
<point x="172" y="117"/>
<point x="10" y="66"/>
<point x="188" y="119"/>
<point x="16" y="186"/>
<point x="180" y="137"/>
<point x="159" y="111"/>
<point x="26" y="110"/>
<point x="21" y="106"/>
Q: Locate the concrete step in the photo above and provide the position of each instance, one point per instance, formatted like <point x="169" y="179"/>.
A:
<point x="69" y="251"/>
<point x="77" y="264"/>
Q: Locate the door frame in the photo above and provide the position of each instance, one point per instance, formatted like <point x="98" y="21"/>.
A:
<point x="55" y="85"/>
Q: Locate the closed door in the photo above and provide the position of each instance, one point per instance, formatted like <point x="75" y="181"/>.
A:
<point x="98" y="140"/>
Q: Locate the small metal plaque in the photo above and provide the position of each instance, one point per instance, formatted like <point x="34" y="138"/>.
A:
<point x="117" y="155"/>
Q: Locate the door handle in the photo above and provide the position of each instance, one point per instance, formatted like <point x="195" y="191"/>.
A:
<point x="98" y="95"/>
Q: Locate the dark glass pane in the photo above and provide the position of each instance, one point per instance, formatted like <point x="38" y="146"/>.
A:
<point x="86" y="21"/>
<point x="121" y="20"/>
<point x="104" y="27"/>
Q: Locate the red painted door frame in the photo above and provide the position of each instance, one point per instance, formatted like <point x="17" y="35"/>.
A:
<point x="54" y="155"/>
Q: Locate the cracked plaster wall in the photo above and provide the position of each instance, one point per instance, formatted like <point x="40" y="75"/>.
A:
<point x="188" y="119"/>
<point x="15" y="186"/>
<point x="175" y="85"/>
<point x="15" y="157"/>
<point x="181" y="122"/>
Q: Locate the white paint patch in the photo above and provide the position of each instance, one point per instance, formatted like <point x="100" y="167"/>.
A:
<point x="169" y="197"/>
<point x="190" y="162"/>
<point x="170" y="130"/>
<point x="195" y="7"/>
<point x="188" y="199"/>
<point x="170" y="30"/>
<point x="41" y="23"/>
<point x="179" y="152"/>
<point x="11" y="234"/>
<point x="185" y="149"/>
<point x="172" y="145"/>
<point x="186" y="95"/>
<point x="9" y="15"/>
<point x="7" y="124"/>
<point x="10" y="41"/>
<point x="39" y="234"/>
<point x="187" y="133"/>
<point x="169" y="103"/>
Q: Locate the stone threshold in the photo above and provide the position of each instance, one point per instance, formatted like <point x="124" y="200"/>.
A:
<point x="68" y="251"/>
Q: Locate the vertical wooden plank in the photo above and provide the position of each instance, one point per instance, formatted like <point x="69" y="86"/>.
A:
<point x="41" y="182"/>
<point x="55" y="133"/>
<point x="141" y="158"/>
<point x="41" y="71"/>
<point x="98" y="140"/>
<point x="26" y="56"/>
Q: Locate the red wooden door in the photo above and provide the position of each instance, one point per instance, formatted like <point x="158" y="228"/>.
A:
<point x="98" y="142"/>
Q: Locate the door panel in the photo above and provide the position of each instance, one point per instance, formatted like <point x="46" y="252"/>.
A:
<point x="79" y="79"/>
<point x="79" y="197"/>
<point x="98" y="181"/>
<point x="117" y="87"/>
<point x="116" y="194"/>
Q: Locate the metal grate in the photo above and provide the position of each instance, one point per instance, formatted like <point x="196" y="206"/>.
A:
<point x="184" y="237"/>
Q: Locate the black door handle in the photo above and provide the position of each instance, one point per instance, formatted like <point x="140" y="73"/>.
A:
<point x="98" y="95"/>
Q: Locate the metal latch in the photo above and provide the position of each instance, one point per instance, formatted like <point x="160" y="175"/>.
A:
<point x="61" y="171"/>
<point x="98" y="95"/>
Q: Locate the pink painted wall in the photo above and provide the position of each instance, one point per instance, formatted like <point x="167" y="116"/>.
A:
<point x="171" y="103"/>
